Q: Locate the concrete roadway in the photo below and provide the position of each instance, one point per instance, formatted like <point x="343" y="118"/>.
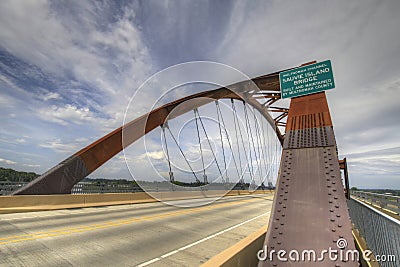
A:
<point x="152" y="234"/>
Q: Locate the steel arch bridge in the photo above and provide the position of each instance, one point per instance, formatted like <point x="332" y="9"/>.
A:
<point x="309" y="210"/>
<point x="61" y="178"/>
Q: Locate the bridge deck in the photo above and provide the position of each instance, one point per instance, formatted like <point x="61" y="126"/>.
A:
<point x="151" y="234"/>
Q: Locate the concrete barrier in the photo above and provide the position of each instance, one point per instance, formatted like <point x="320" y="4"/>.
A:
<point x="243" y="253"/>
<point x="25" y="203"/>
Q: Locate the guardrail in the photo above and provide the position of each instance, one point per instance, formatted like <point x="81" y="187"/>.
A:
<point x="84" y="188"/>
<point x="93" y="188"/>
<point x="388" y="202"/>
<point x="380" y="231"/>
<point x="7" y="187"/>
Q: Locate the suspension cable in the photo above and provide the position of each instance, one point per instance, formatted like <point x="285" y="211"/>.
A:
<point x="269" y="150"/>
<point x="258" y="166"/>
<point x="183" y="154"/>
<point x="229" y="141"/>
<point x="208" y="140"/>
<point x="267" y="170"/>
<point x="201" y="150"/>
<point x="222" y="143"/>
<point x="171" y="174"/>
<point x="259" y="144"/>
<point x="236" y="120"/>
<point x="250" y="138"/>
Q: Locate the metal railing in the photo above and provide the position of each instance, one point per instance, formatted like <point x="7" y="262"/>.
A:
<point x="380" y="231"/>
<point x="99" y="188"/>
<point x="6" y="188"/>
<point x="388" y="202"/>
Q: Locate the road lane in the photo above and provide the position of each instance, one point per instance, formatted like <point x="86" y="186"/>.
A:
<point x="129" y="235"/>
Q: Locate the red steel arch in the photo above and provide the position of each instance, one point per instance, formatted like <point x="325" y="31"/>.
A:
<point x="61" y="178"/>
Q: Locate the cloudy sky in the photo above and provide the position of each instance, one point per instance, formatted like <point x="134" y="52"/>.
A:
<point x="68" y="68"/>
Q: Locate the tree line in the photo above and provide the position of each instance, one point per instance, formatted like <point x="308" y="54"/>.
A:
<point x="16" y="176"/>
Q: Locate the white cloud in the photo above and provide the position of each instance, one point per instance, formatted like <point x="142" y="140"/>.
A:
<point x="157" y="155"/>
<point x="58" y="146"/>
<point x="32" y="165"/>
<point x="7" y="161"/>
<point x="13" y="140"/>
<point x="10" y="84"/>
<point x="64" y="146"/>
<point x="51" y="95"/>
<point x="66" y="114"/>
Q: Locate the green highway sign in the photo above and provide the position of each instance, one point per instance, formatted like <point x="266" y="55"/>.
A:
<point x="306" y="80"/>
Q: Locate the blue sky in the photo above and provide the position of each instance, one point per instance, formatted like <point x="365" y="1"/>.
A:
<point x="67" y="69"/>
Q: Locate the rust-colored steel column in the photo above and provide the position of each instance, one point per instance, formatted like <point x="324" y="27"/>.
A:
<point x="310" y="211"/>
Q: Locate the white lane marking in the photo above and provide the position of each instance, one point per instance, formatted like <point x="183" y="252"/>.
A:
<point x="150" y="262"/>
<point x="199" y="241"/>
<point x="100" y="209"/>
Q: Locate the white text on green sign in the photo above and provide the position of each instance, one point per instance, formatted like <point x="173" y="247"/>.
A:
<point x="307" y="80"/>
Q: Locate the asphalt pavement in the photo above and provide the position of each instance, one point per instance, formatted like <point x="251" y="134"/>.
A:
<point x="149" y="234"/>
